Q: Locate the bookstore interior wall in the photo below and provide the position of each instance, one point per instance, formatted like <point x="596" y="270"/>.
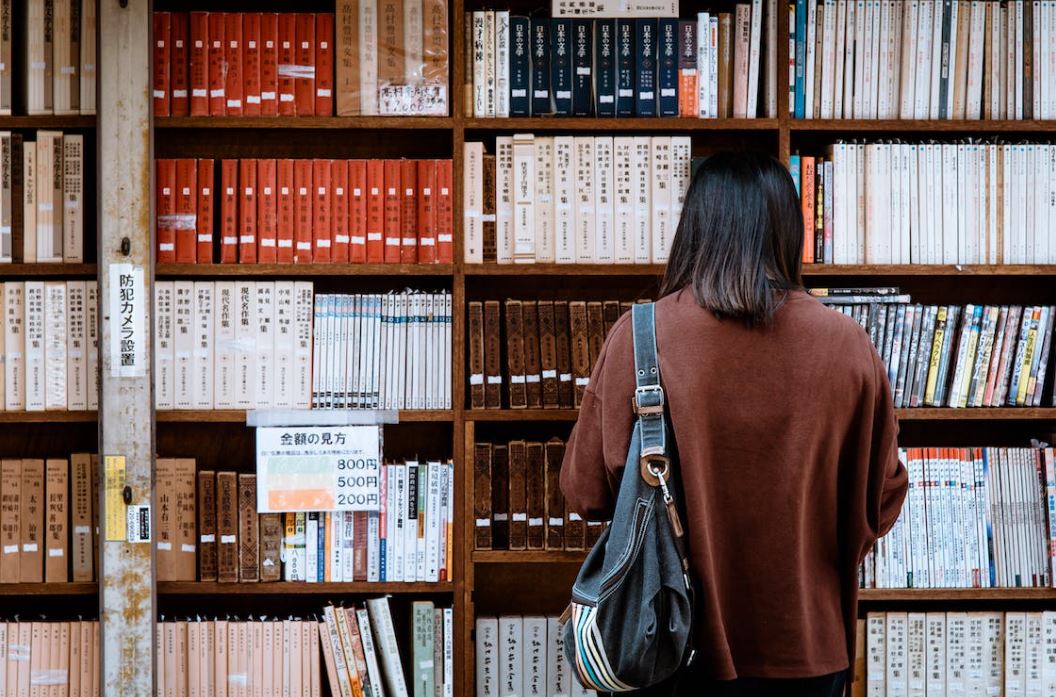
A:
<point x="440" y="208"/>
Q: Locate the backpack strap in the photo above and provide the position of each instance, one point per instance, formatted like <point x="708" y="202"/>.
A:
<point x="648" y="401"/>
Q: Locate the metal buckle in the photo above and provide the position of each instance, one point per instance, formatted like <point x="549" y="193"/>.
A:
<point x="648" y="410"/>
<point x="655" y="469"/>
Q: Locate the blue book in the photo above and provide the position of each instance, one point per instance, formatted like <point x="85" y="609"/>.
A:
<point x="561" y="64"/>
<point x="794" y="171"/>
<point x="520" y="66"/>
<point x="322" y="560"/>
<point x="801" y="60"/>
<point x="645" y="70"/>
<point x="625" y="55"/>
<point x="582" y="67"/>
<point x="605" y="67"/>
<point x="540" y="58"/>
<point x="667" y="67"/>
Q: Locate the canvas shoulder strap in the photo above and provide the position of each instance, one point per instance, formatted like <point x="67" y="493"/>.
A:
<point x="648" y="394"/>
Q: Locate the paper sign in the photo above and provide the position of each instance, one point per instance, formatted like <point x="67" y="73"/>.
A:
<point x="318" y="468"/>
<point x="116" y="523"/>
<point x="127" y="336"/>
<point x="139" y="523"/>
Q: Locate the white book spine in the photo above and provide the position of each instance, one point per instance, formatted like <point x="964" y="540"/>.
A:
<point x="604" y="246"/>
<point x="564" y="197"/>
<point x="502" y="63"/>
<point x="387" y="648"/>
<point x="535" y="666"/>
<point x="489" y="64"/>
<point x="936" y="653"/>
<point x="812" y="14"/>
<point x="163" y="345"/>
<point x="311" y="547"/>
<point x="523" y="234"/>
<point x="511" y="656"/>
<point x="473" y="201"/>
<point x="876" y="654"/>
<point x="223" y="344"/>
<point x="828" y="60"/>
<point x="91" y="317"/>
<point x="623" y="204"/>
<point x="183" y="344"/>
<point x="55" y="340"/>
<point x="661" y="182"/>
<point x="480" y="108"/>
<point x="544" y="200"/>
<point x="433" y="521"/>
<point x="585" y="234"/>
<point x="487" y="657"/>
<point x="346" y="538"/>
<point x="449" y="653"/>
<point x="245" y="344"/>
<point x="284" y="332"/>
<point x="704" y="85"/>
<point x="681" y="164"/>
<point x="368" y="57"/>
<point x="371" y="651"/>
<point x="303" y="292"/>
<point x="642" y="198"/>
<point x="202" y="360"/>
<point x="504" y="168"/>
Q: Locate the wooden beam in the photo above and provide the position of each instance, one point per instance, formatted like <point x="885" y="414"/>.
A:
<point x="127" y="594"/>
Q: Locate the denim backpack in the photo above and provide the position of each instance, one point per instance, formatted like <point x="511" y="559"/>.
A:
<point x="632" y="603"/>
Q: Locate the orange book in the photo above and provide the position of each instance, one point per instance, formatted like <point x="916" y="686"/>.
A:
<point x="806" y="189"/>
<point x="285" y="217"/>
<point x="375" y="211"/>
<point x="324" y="64"/>
<point x="199" y="64"/>
<point x="185" y="220"/>
<point x="302" y="211"/>
<point x="357" y="211"/>
<point x="409" y="211"/>
<point x="251" y="63"/>
<point x="321" y="211"/>
<point x="286" y="70"/>
<point x="426" y="204"/>
<point x="247" y="207"/>
<point x="229" y="212"/>
<point x="205" y="212"/>
<point x="166" y="208"/>
<point x="445" y="216"/>
<point x="217" y="65"/>
<point x="339" y="208"/>
<point x="233" y="63"/>
<point x="269" y="64"/>
<point x="267" y="212"/>
<point x="391" y="211"/>
<point x="178" y="64"/>
<point x="304" y="57"/>
<point x="162" y="52"/>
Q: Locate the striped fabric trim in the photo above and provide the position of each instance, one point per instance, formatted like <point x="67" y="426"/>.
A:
<point x="591" y="662"/>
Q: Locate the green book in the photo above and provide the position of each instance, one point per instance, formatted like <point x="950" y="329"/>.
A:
<point x="422" y="631"/>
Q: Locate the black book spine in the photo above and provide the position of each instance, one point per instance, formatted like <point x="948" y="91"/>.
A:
<point x="625" y="74"/>
<point x="645" y="71"/>
<point x="668" y="67"/>
<point x="520" y="66"/>
<point x="605" y="67"/>
<point x="541" y="103"/>
<point x="945" y="68"/>
<point x="561" y="65"/>
<point x="582" y="67"/>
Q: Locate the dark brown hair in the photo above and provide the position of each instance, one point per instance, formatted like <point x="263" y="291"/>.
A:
<point x="740" y="240"/>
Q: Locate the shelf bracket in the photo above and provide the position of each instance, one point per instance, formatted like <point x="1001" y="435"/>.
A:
<point x="126" y="418"/>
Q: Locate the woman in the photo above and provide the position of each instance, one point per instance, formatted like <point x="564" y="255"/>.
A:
<point x="786" y="435"/>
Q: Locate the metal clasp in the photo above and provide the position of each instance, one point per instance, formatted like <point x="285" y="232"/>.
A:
<point x="655" y="470"/>
<point x="650" y="409"/>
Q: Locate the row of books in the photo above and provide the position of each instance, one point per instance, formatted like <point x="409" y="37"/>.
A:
<point x="929" y="203"/>
<point x="973" y="518"/>
<point x="574" y="199"/>
<point x="42" y="197"/>
<point x="517" y="499"/>
<point x="385" y="57"/>
<point x="542" y="350"/>
<point x="382" y="351"/>
<point x="49" y="346"/>
<point x="49" y="522"/>
<point x="305" y="211"/>
<point x="207" y="522"/>
<point x="959" y="653"/>
<point x="710" y="67"/>
<point x="518" y="655"/>
<point x="362" y="654"/>
<point x="57" y="68"/>
<point x="60" y="657"/>
<point x="233" y="344"/>
<point x="922" y="59"/>
<point x="954" y="356"/>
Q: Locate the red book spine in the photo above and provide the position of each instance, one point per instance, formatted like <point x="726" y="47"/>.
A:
<point x="391" y="211"/>
<point x="357" y="212"/>
<point x="302" y="211"/>
<point x="199" y="60"/>
<point x="217" y="65"/>
<point x="186" y="211"/>
<point x="324" y="64"/>
<point x="205" y="212"/>
<point x="229" y="212"/>
<point x="269" y="64"/>
<point x="409" y="211"/>
<point x="161" y="29"/>
<point x="445" y="216"/>
<point x="375" y="211"/>
<point x="285" y="222"/>
<point x="179" y="65"/>
<point x="287" y="66"/>
<point x="267" y="211"/>
<point x="251" y="62"/>
<point x="166" y="207"/>
<point x="247" y="208"/>
<point x="304" y="55"/>
<point x="233" y="59"/>
<point x="427" y="211"/>
<point x="339" y="195"/>
<point x="321" y="211"/>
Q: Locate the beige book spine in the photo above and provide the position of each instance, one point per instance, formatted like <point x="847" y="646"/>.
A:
<point x="73" y="199"/>
<point x="88" y="56"/>
<point x="29" y="202"/>
<point x="31" y="567"/>
<point x="56" y="561"/>
<point x="346" y="84"/>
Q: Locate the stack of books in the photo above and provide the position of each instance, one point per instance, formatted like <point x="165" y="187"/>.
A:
<point x="62" y="658"/>
<point x="526" y="655"/>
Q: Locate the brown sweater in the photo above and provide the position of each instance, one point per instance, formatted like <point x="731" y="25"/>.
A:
<point x="786" y="438"/>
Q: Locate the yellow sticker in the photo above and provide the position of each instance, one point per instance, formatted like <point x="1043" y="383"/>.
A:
<point x="116" y="518"/>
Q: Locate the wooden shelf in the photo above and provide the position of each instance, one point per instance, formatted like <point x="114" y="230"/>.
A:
<point x="809" y="270"/>
<point x="964" y="594"/>
<point x="47" y="121"/>
<point x="563" y="269"/>
<point x="345" y="123"/>
<point x="46" y="417"/>
<point x="289" y="588"/>
<point x="238" y="416"/>
<point x="919" y="125"/>
<point x="48" y="589"/>
<point x="299" y="270"/>
<point x="521" y="414"/>
<point x="57" y="270"/>
<point x="586" y="123"/>
<point x="534" y="556"/>
<point x="917" y="414"/>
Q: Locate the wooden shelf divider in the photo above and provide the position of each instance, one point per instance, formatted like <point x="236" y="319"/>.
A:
<point x="45" y="270"/>
<point x="809" y="270"/>
<point x="48" y="589"/>
<point x="270" y="123"/>
<point x="48" y="121"/>
<point x="299" y="588"/>
<point x="47" y="417"/>
<point x="301" y="270"/>
<point x="916" y="414"/>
